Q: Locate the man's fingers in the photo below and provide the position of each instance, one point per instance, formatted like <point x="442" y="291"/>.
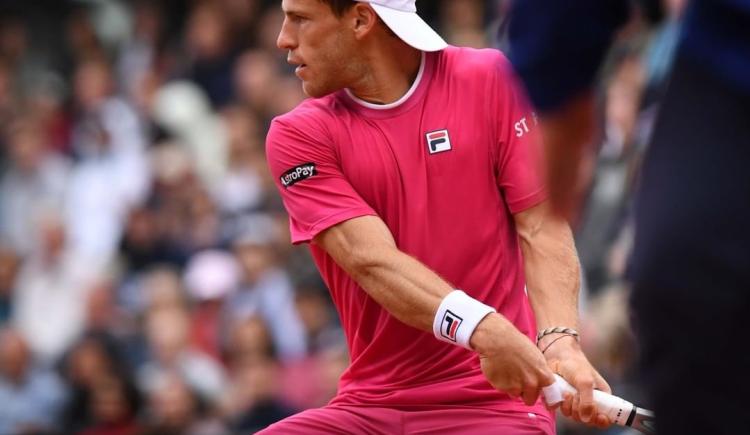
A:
<point x="530" y="395"/>
<point x="513" y="392"/>
<point x="567" y="405"/>
<point x="548" y="378"/>
<point x="576" y="407"/>
<point x="585" y="387"/>
<point x="602" y="421"/>
<point x="601" y="384"/>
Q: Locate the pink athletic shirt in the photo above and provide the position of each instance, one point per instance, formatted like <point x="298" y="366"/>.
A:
<point x="445" y="167"/>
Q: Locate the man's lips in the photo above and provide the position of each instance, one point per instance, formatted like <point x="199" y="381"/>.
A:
<point x="300" y="65"/>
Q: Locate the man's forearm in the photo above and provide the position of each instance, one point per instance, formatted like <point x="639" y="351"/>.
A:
<point x="552" y="273"/>
<point x="405" y="287"/>
<point x="402" y="285"/>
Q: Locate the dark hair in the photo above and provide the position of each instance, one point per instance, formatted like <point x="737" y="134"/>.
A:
<point x="339" y="6"/>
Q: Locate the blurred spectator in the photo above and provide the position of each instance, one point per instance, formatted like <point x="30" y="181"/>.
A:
<point x="174" y="187"/>
<point x="254" y="77"/>
<point x="288" y="93"/>
<point x="203" y="220"/>
<point x="210" y="277"/>
<point x="167" y="331"/>
<point x="108" y="322"/>
<point x="242" y="16"/>
<point x="143" y="244"/>
<point x="266" y="289"/>
<point x="9" y="263"/>
<point x="249" y="338"/>
<point x="82" y="40"/>
<point x="46" y="100"/>
<point x="183" y="110"/>
<point x="319" y="319"/>
<point x="608" y="202"/>
<point x="35" y="179"/>
<point x="54" y="282"/>
<point x="7" y="98"/>
<point x="176" y="410"/>
<point x="14" y="47"/>
<point x="32" y="398"/>
<point x="91" y="361"/>
<point x="242" y="189"/>
<point x="462" y="22"/>
<point x="211" y="52"/>
<point x="162" y="288"/>
<point x="254" y="396"/>
<point x="112" y="175"/>
<point x="267" y="33"/>
<point x="138" y="56"/>
<point x="114" y="407"/>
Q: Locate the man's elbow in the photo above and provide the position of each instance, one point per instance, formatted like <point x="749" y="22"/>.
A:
<point x="363" y="261"/>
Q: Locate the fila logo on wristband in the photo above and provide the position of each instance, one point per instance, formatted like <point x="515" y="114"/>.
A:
<point x="449" y="325"/>
<point x="457" y="317"/>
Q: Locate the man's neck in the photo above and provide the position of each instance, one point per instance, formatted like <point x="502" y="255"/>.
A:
<point x="390" y="74"/>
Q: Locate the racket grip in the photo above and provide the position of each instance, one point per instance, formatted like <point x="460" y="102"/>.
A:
<point x="619" y="410"/>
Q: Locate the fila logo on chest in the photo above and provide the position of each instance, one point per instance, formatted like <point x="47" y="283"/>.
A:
<point x="438" y="141"/>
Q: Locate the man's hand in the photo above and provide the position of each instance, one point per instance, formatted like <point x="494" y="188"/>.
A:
<point x="566" y="358"/>
<point x="509" y="360"/>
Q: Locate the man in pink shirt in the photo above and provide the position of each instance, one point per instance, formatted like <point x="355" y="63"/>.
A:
<point x="410" y="173"/>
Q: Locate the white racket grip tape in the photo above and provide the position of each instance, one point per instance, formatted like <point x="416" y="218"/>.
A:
<point x="617" y="409"/>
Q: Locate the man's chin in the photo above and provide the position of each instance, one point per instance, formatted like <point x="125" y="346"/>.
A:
<point x="315" y="91"/>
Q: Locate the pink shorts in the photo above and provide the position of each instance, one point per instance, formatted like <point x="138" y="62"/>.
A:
<point x="341" y="419"/>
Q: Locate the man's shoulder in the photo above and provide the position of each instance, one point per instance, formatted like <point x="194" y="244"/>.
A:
<point x="310" y="113"/>
<point x="311" y="123"/>
<point x="476" y="62"/>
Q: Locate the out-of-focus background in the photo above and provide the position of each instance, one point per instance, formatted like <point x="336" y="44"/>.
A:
<point x="147" y="283"/>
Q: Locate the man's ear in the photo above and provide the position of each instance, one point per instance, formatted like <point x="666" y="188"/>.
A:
<point x="364" y="19"/>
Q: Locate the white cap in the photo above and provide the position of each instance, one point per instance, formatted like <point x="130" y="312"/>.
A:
<point x="401" y="17"/>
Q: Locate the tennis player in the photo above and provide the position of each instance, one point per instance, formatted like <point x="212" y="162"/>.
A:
<point x="410" y="172"/>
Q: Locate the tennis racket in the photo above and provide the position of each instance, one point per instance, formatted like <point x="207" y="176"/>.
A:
<point x="619" y="410"/>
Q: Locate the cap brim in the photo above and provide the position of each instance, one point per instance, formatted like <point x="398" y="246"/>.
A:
<point x="410" y="28"/>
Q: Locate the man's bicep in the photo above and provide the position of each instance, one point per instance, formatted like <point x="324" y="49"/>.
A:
<point x="529" y="222"/>
<point x="356" y="241"/>
<point x="538" y="224"/>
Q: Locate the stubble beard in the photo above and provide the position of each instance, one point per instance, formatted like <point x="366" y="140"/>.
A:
<point x="339" y="71"/>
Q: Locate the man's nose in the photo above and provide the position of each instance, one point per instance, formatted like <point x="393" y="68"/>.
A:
<point x="285" y="41"/>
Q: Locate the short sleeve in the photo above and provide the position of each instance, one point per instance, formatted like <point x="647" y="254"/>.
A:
<point x="307" y="173"/>
<point x="519" y="153"/>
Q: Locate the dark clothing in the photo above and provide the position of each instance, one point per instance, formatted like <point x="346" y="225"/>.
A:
<point x="557" y="47"/>
<point x="691" y="262"/>
<point x="215" y="78"/>
<point x="261" y="415"/>
<point x="690" y="266"/>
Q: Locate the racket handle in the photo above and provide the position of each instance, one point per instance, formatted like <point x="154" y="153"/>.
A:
<point x="619" y="410"/>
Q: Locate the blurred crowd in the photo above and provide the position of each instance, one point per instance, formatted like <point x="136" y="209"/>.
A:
<point x="147" y="283"/>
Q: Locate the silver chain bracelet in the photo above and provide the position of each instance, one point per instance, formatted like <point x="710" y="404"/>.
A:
<point x="557" y="330"/>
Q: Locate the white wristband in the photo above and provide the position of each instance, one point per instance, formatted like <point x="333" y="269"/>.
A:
<point x="457" y="317"/>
